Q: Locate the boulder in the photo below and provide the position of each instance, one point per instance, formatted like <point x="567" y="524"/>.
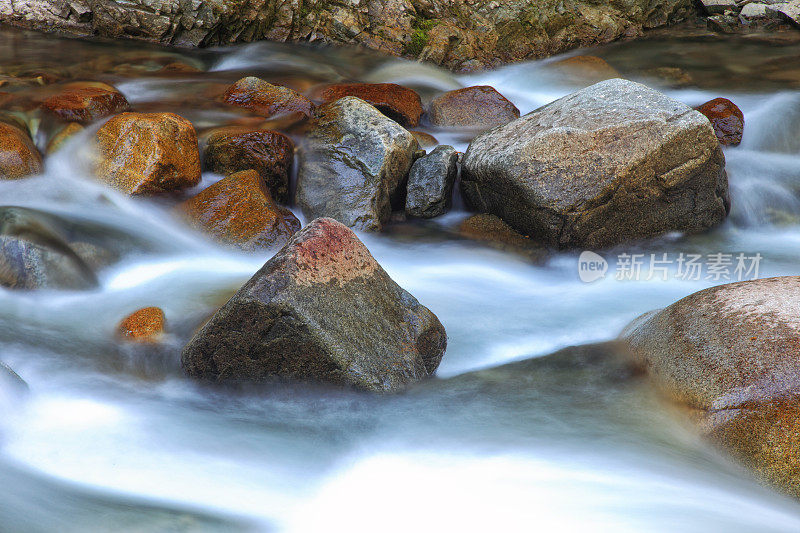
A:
<point x="232" y="149"/>
<point x="726" y="118"/>
<point x="322" y="310"/>
<point x="480" y="108"/>
<point x="18" y="155"/>
<point x="239" y="211"/>
<point x="430" y="183"/>
<point x="35" y="264"/>
<point x="352" y="164"/>
<point x="718" y="7"/>
<point x="148" y="153"/>
<point x="145" y="325"/>
<point x="267" y="100"/>
<point x="787" y="11"/>
<point x="85" y="104"/>
<point x="399" y="103"/>
<point x="613" y="162"/>
<point x="730" y="354"/>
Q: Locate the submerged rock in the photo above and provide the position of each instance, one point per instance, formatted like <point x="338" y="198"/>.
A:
<point x="18" y="155"/>
<point x="62" y="136"/>
<point x="399" y="103"/>
<point x="430" y="183"/>
<point x="480" y="107"/>
<point x="320" y="310"/>
<point x="610" y="163"/>
<point x="237" y="210"/>
<point x="494" y="233"/>
<point x="727" y="119"/>
<point x="730" y="353"/>
<point x="145" y="325"/>
<point x="148" y="153"/>
<point x="25" y="264"/>
<point x="266" y="99"/>
<point x="271" y="154"/>
<point x="585" y="69"/>
<point x="84" y="104"/>
<point x="352" y="163"/>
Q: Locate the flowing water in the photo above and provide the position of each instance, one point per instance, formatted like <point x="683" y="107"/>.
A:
<point x="111" y="437"/>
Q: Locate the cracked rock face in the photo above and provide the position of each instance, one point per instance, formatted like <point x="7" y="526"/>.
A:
<point x="458" y="34"/>
<point x="352" y="163"/>
<point x="611" y="163"/>
<point x="730" y="353"/>
<point x="322" y="310"/>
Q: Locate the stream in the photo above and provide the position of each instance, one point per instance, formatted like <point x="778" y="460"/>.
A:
<point x="113" y="437"/>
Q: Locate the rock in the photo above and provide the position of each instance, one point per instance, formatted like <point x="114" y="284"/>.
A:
<point x="430" y="183"/>
<point x="730" y="353"/>
<point x="753" y="13"/>
<point x="425" y="140"/>
<point x="321" y="310"/>
<point x="399" y="103"/>
<point x="238" y="210"/>
<point x="64" y="134"/>
<point x="726" y="118"/>
<point x="480" y="107"/>
<point x="271" y="154"/>
<point x="28" y="265"/>
<point x="145" y="325"/>
<point x="18" y="155"/>
<point x="352" y="164"/>
<point x="494" y="233"/>
<point x="789" y="11"/>
<point x="613" y="162"/>
<point x="718" y="7"/>
<point x="453" y="33"/>
<point x="585" y="69"/>
<point x="148" y="153"/>
<point x="85" y="104"/>
<point x="266" y="99"/>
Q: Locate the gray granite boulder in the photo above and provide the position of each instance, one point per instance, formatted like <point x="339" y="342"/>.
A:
<point x="430" y="183"/>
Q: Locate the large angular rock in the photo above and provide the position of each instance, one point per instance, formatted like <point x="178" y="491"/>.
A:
<point x="614" y="162"/>
<point x="148" y="153"/>
<point x="320" y="310"/>
<point x="352" y="163"/>
<point x="430" y="183"/>
<point x="731" y="354"/>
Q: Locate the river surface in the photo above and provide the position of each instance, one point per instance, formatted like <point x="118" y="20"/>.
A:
<point x="116" y="438"/>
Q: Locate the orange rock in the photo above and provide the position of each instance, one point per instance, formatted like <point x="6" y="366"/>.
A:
<point x="727" y="119"/>
<point x="18" y="155"/>
<point x="145" y="325"/>
<point x="239" y="211"/>
<point x="266" y="99"/>
<point x="493" y="232"/>
<point x="85" y="103"/>
<point x="147" y="153"/>
<point x="425" y="140"/>
<point x="63" y="135"/>
<point x="480" y="107"/>
<point x="271" y="154"/>
<point x="399" y="103"/>
<point x="586" y="69"/>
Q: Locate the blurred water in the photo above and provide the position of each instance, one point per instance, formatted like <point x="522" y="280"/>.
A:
<point x="112" y="437"/>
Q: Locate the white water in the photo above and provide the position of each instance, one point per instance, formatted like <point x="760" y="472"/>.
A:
<point x="109" y="438"/>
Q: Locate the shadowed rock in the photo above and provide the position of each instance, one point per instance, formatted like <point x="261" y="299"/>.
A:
<point x="321" y="310"/>
<point x="430" y="183"/>
<point x="399" y="103"/>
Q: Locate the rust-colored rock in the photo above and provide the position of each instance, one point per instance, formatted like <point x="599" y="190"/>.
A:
<point x="85" y="104"/>
<point x="18" y="155"/>
<point x="144" y="325"/>
<point x="399" y="103"/>
<point x="271" y="154"/>
<point x="238" y="211"/>
<point x="585" y="69"/>
<point x="148" y="153"/>
<point x="425" y="140"/>
<point x="491" y="231"/>
<point x="266" y="99"/>
<point x="727" y="119"/>
<point x="63" y="135"/>
<point x="479" y="107"/>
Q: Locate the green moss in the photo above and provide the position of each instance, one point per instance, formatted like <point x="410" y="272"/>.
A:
<point x="420" y="36"/>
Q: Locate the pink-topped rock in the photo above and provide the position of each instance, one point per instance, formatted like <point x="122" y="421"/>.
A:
<point x="323" y="310"/>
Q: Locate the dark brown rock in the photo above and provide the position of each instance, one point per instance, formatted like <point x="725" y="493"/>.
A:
<point x="727" y="119"/>
<point x="271" y="154"/>
<point x="148" y="153"/>
<point x="239" y="211"/>
<point x="399" y="103"/>
<point x="321" y="310"/>
<point x="267" y="100"/>
<point x="480" y="107"/>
